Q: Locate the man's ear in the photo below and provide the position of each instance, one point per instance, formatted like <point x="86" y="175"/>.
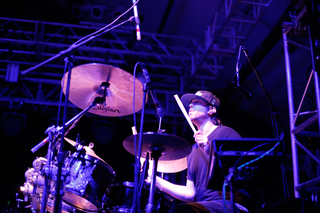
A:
<point x="212" y="110"/>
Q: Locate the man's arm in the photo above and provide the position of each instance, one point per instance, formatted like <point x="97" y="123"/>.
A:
<point x="185" y="193"/>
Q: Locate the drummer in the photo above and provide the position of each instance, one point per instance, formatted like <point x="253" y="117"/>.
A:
<point x="197" y="197"/>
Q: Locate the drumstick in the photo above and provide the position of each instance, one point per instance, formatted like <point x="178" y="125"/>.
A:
<point x="134" y="130"/>
<point x="185" y="113"/>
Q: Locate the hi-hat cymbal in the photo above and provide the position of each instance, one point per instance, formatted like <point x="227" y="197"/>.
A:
<point x="88" y="82"/>
<point x="173" y="147"/>
<point x="89" y="151"/>
<point x="168" y="166"/>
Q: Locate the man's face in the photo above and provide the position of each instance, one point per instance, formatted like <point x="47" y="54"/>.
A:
<point x="198" y="108"/>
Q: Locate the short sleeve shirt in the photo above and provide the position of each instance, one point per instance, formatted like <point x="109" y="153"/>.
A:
<point x="198" y="163"/>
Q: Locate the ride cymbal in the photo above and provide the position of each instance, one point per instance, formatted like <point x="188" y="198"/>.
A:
<point x="90" y="81"/>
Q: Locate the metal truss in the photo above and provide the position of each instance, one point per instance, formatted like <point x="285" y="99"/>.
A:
<point x="175" y="64"/>
<point x="232" y="23"/>
<point x="26" y="44"/>
<point x="294" y="34"/>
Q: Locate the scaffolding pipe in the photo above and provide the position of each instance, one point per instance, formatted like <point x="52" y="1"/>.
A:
<point x="294" y="152"/>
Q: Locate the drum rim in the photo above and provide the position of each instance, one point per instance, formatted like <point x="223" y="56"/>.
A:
<point x="98" y="161"/>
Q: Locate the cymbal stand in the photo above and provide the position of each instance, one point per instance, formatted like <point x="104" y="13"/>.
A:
<point x="145" y="169"/>
<point x="156" y="153"/>
<point x="58" y="129"/>
<point x="47" y="169"/>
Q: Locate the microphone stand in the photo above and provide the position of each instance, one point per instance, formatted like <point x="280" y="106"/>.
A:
<point x="61" y="154"/>
<point x="275" y="114"/>
<point x="77" y="44"/>
<point x="137" y="157"/>
<point x="155" y="154"/>
<point x="275" y="117"/>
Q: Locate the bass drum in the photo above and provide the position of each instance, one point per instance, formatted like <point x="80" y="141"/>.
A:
<point x="89" y="180"/>
<point x="65" y="208"/>
<point x="120" y="199"/>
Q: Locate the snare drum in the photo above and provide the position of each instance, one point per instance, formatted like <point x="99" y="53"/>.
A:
<point x="120" y="199"/>
<point x="89" y="179"/>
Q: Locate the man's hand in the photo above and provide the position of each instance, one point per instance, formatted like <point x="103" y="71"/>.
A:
<point x="202" y="141"/>
<point x="150" y="170"/>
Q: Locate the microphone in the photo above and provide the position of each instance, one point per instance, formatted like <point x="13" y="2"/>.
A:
<point x="136" y="18"/>
<point x="246" y="95"/>
<point x="238" y="65"/>
<point x="153" y="94"/>
<point x="244" y="51"/>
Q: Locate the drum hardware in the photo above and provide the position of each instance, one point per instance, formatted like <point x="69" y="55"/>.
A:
<point x="162" y="147"/>
<point x="34" y="186"/>
<point x="53" y="134"/>
<point x="156" y="153"/>
<point x="84" y="188"/>
<point x="144" y="174"/>
<point x="147" y="87"/>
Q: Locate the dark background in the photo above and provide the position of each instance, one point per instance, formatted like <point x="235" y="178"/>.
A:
<point x="23" y="125"/>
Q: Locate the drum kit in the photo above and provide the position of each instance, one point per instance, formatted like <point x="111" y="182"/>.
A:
<point x="88" y="181"/>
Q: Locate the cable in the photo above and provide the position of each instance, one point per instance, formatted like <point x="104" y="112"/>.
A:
<point x="219" y="160"/>
<point x="136" y="203"/>
<point x="258" y="158"/>
<point x="133" y="105"/>
<point x="224" y="196"/>
<point x="102" y="29"/>
<point x="234" y="165"/>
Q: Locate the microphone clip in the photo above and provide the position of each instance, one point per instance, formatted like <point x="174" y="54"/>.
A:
<point x="149" y="87"/>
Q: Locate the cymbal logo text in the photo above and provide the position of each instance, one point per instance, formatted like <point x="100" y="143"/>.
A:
<point x="106" y="109"/>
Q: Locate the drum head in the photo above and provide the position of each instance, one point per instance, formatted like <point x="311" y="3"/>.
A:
<point x="79" y="202"/>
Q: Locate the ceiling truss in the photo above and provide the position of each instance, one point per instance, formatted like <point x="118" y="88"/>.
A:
<point x="38" y="50"/>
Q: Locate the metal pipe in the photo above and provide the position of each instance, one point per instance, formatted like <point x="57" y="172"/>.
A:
<point x="294" y="152"/>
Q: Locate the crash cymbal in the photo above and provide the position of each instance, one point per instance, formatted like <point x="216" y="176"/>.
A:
<point x="89" y="151"/>
<point x="168" y="166"/>
<point x="88" y="82"/>
<point x="173" y="147"/>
